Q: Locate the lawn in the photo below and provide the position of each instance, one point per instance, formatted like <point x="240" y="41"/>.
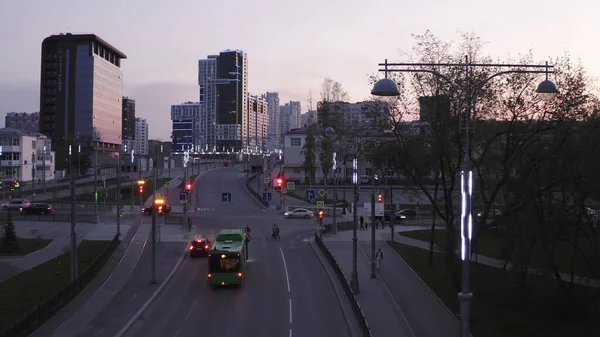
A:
<point x="28" y="246"/>
<point x="125" y="193"/>
<point x="493" y="244"/>
<point x="23" y="292"/>
<point x="501" y="308"/>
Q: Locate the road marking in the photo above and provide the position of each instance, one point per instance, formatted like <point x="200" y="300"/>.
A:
<point x="287" y="276"/>
<point x="190" y="311"/>
<point x="177" y="333"/>
<point x="290" y="332"/>
<point x="290" y="311"/>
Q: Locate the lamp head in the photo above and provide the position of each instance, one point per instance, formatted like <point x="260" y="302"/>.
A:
<point x="547" y="90"/>
<point x="385" y="87"/>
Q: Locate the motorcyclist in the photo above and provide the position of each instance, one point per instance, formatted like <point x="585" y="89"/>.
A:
<point x="247" y="230"/>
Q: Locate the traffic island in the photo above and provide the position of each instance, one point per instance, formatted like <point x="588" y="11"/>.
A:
<point x="30" y="298"/>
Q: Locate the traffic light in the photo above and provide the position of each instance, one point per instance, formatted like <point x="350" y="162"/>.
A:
<point x="141" y="189"/>
<point x="188" y="187"/>
<point x="321" y="214"/>
<point x="279" y="183"/>
<point x="16" y="183"/>
<point x="379" y="197"/>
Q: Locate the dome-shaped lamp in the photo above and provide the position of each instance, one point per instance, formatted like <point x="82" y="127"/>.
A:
<point x="547" y="90"/>
<point x="385" y="87"/>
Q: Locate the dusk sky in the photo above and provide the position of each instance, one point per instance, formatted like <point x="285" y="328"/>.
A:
<point x="291" y="45"/>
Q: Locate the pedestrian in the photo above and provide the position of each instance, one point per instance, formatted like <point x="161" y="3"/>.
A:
<point x="362" y="223"/>
<point x="379" y="258"/>
<point x="382" y="223"/>
<point x="376" y="223"/>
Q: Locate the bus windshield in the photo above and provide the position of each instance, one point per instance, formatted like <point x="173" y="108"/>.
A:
<point x="230" y="264"/>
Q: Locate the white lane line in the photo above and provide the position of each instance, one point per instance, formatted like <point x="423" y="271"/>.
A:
<point x="177" y="333"/>
<point x="290" y="332"/>
<point x="290" y="311"/>
<point x="190" y="311"/>
<point x="287" y="276"/>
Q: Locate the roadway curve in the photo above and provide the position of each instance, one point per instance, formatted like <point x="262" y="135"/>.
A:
<point x="286" y="292"/>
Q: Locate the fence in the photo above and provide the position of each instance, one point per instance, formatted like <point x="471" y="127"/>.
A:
<point x="54" y="218"/>
<point x="45" y="310"/>
<point x="360" y="316"/>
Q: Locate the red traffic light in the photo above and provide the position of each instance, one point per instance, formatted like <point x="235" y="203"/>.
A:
<point x="380" y="198"/>
<point x="321" y="214"/>
<point x="279" y="181"/>
<point x="188" y="187"/>
<point x="141" y="189"/>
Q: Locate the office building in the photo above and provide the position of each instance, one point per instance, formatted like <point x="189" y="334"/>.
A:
<point x="274" y="130"/>
<point x="290" y="116"/>
<point x="308" y="118"/>
<point x="81" y="91"/>
<point x="258" y="117"/>
<point x="141" y="136"/>
<point x="185" y="119"/>
<point x="25" y="156"/>
<point x="223" y="81"/>
<point x="128" y="118"/>
<point x="28" y="122"/>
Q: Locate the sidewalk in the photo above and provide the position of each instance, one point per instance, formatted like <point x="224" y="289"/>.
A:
<point x="397" y="302"/>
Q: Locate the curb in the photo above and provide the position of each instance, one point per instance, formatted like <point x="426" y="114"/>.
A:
<point x="144" y="307"/>
<point x="337" y="292"/>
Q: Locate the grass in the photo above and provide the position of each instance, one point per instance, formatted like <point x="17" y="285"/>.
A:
<point x="492" y="243"/>
<point x="28" y="246"/>
<point x="501" y="308"/>
<point x="24" y="291"/>
<point x="111" y="198"/>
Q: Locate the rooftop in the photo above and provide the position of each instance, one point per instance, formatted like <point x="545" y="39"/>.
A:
<point x="84" y="37"/>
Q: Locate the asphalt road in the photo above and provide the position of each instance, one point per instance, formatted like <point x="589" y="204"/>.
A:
<point x="286" y="291"/>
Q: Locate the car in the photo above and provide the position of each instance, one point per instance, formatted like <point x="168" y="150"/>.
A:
<point x="161" y="209"/>
<point x="301" y="213"/>
<point x="15" y="205"/>
<point x="199" y="247"/>
<point x="37" y="209"/>
<point x="406" y="214"/>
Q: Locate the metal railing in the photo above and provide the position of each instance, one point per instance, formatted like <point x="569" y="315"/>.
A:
<point x="52" y="305"/>
<point x="82" y="218"/>
<point x="358" y="313"/>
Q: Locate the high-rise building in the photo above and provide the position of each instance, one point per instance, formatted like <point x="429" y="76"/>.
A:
<point x="28" y="122"/>
<point x="290" y="116"/>
<point x="223" y="81"/>
<point x="141" y="136"/>
<point x="274" y="130"/>
<point x="185" y="118"/>
<point x="128" y="118"/>
<point x="81" y="89"/>
<point x="258" y="117"/>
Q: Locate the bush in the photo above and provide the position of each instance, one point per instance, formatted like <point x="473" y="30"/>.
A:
<point x="9" y="243"/>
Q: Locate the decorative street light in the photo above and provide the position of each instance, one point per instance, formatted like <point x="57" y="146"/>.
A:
<point x="387" y="87"/>
<point x="329" y="131"/>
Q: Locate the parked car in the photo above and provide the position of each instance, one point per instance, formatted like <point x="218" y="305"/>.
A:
<point x="301" y="213"/>
<point x="37" y="209"/>
<point x="15" y="205"/>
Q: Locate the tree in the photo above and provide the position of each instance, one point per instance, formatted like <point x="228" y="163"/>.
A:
<point x="309" y="150"/>
<point x="9" y="243"/>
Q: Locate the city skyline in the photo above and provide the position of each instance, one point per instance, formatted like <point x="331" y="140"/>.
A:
<point x="158" y="77"/>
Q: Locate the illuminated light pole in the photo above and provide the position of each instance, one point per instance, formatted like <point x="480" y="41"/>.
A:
<point x="354" y="275"/>
<point x="334" y="230"/>
<point x="387" y="87"/>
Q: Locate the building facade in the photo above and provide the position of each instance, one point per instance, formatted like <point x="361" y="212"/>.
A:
<point x="28" y="122"/>
<point x="223" y="81"/>
<point x="185" y="119"/>
<point x="128" y="119"/>
<point x="274" y="129"/>
<point x="141" y="136"/>
<point x="258" y="123"/>
<point x="25" y="156"/>
<point x="81" y="91"/>
<point x="308" y="118"/>
<point x="290" y="116"/>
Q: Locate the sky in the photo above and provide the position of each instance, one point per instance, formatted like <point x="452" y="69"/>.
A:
<point x="291" y="45"/>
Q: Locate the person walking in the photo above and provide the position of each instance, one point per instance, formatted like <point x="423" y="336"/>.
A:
<point x="362" y="223"/>
<point x="379" y="258"/>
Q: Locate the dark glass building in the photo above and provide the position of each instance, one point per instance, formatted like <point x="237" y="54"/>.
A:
<point x="81" y="90"/>
<point x="128" y="119"/>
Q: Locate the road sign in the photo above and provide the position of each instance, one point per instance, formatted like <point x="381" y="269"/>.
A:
<point x="310" y="194"/>
<point x="226" y="196"/>
<point x="322" y="192"/>
<point x="320" y="204"/>
<point x="183" y="197"/>
<point x="291" y="185"/>
<point x="159" y="195"/>
<point x="284" y="190"/>
<point x="267" y="197"/>
<point x="266" y="180"/>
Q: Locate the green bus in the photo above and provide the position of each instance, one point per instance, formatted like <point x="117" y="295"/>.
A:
<point x="227" y="258"/>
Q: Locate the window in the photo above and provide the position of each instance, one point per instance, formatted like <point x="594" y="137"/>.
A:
<point x="297" y="170"/>
<point x="296" y="142"/>
<point x="369" y="171"/>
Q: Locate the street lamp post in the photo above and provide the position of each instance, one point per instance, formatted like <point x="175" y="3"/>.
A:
<point x="387" y="87"/>
<point x="44" y="169"/>
<point x="73" y="224"/>
<point x="354" y="275"/>
<point x="33" y="176"/>
<point x="334" y="229"/>
<point x="118" y="196"/>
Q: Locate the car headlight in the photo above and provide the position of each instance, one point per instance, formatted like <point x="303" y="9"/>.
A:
<point x="286" y="214"/>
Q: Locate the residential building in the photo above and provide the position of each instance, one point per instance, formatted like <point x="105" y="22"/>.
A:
<point x="162" y="150"/>
<point x="25" y="156"/>
<point x="81" y="91"/>
<point x="128" y="119"/>
<point x="359" y="114"/>
<point x="308" y="118"/>
<point x="28" y="122"/>
<point x="274" y="130"/>
<point x="258" y="117"/>
<point x="185" y="119"/>
<point x="141" y="136"/>
<point x="223" y="81"/>
<point x="290" y="116"/>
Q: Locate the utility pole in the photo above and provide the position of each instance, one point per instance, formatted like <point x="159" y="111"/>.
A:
<point x="95" y="184"/>
<point x="185" y="206"/>
<point x="335" y="198"/>
<point x="139" y="168"/>
<point x="373" y="265"/>
<point x="118" y="196"/>
<point x="153" y="279"/>
<point x="44" y="170"/>
<point x="33" y="176"/>
<point x="73" y="233"/>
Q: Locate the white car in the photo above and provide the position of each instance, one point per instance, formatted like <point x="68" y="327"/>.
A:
<point x="15" y="205"/>
<point x="302" y="213"/>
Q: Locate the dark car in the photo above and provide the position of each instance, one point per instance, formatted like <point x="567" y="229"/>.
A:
<point x="406" y="214"/>
<point x="199" y="247"/>
<point x="37" y="209"/>
<point x="160" y="209"/>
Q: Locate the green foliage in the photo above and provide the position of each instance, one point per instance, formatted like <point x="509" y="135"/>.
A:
<point x="309" y="151"/>
<point x="9" y="243"/>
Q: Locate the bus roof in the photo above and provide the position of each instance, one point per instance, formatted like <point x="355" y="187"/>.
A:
<point x="231" y="240"/>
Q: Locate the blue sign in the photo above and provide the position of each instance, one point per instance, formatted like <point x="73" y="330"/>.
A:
<point x="310" y="194"/>
<point x="267" y="197"/>
<point x="183" y="196"/>
<point x="226" y="196"/>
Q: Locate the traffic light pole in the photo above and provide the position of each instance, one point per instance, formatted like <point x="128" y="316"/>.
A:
<point x="185" y="206"/>
<point x="73" y="224"/>
<point x="118" y="196"/>
<point x="373" y="265"/>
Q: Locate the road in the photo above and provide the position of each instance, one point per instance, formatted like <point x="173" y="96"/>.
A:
<point x="286" y="291"/>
